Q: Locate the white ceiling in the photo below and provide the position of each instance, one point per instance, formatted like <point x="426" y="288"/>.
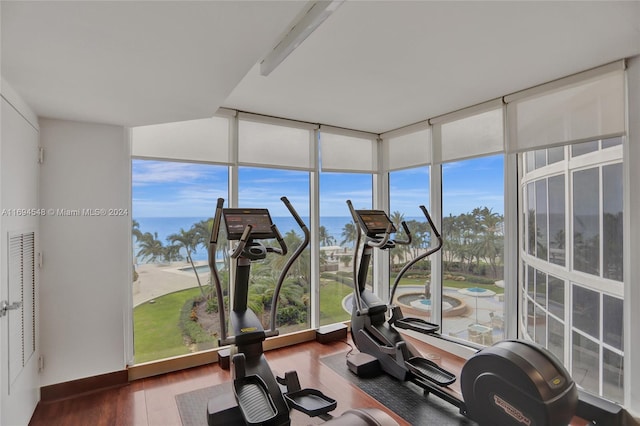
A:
<point x="135" y="62"/>
<point x="372" y="66"/>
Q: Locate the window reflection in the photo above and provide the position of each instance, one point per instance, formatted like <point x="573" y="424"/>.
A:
<point x="586" y="219"/>
<point x="573" y="213"/>
<point x="586" y="310"/>
<point x="612" y="235"/>
<point x="586" y="362"/>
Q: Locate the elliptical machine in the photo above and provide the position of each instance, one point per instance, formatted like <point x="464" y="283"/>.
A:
<point x="512" y="382"/>
<point x="259" y="398"/>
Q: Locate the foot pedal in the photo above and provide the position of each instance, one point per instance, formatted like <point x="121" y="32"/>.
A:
<point x="429" y="370"/>
<point x="254" y="401"/>
<point x="312" y="402"/>
<point x="416" y="324"/>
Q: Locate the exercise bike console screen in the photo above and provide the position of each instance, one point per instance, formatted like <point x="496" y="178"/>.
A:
<point x="375" y="222"/>
<point x="236" y="220"/>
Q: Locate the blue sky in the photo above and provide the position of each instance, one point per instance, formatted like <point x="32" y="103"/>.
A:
<point x="173" y="189"/>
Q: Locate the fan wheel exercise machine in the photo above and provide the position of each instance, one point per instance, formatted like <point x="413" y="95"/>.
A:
<point x="510" y="383"/>
<point x="259" y="398"/>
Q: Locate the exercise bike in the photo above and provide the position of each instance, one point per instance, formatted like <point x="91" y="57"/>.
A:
<point x="260" y="398"/>
<point x="512" y="382"/>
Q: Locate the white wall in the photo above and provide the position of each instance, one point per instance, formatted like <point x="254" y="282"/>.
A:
<point x="19" y="182"/>
<point x="86" y="272"/>
<point x="632" y="242"/>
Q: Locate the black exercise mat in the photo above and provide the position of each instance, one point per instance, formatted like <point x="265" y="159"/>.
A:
<point x="403" y="398"/>
<point x="193" y="407"/>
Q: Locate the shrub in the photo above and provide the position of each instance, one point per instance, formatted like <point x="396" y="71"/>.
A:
<point x="292" y="315"/>
<point x="212" y="305"/>
<point x="191" y="330"/>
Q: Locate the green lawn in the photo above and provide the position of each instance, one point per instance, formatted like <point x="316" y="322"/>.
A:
<point x="451" y="283"/>
<point x="156" y="327"/>
<point x="157" y="332"/>
<point x="331" y="295"/>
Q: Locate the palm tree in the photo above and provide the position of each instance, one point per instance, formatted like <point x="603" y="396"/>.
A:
<point x="420" y="237"/>
<point x="150" y="247"/>
<point x="189" y="241"/>
<point x="202" y="233"/>
<point x="349" y="233"/>
<point x="325" y="238"/>
<point x="490" y="241"/>
<point x="399" y="251"/>
<point x="202" y="230"/>
<point x="135" y="230"/>
<point x="397" y="218"/>
<point x="171" y="253"/>
<point x="137" y="234"/>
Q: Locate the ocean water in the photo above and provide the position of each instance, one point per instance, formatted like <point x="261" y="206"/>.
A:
<point x="165" y="226"/>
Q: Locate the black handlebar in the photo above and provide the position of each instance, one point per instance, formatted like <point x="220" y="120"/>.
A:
<point x="307" y="236"/>
<point x="356" y="284"/>
<point x="244" y="239"/>
<point x="384" y="240"/>
<point x="283" y="246"/>
<point x="428" y="253"/>
<point x="213" y="247"/>
<point x="293" y="212"/>
<point x="433" y="227"/>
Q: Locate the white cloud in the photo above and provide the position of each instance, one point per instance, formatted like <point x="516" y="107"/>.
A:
<point x="153" y="172"/>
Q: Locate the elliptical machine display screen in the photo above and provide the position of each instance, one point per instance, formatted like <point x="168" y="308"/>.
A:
<point x="236" y="220"/>
<point x="375" y="222"/>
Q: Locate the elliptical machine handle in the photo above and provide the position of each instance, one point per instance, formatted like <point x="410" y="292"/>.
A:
<point x="384" y="240"/>
<point x="433" y="227"/>
<point x="243" y="242"/>
<point x="427" y="253"/>
<point x="213" y="247"/>
<point x="356" y="284"/>
<point x="276" y="292"/>
<point x="216" y="222"/>
<point x="293" y="212"/>
<point x="406" y="231"/>
<point x="283" y="246"/>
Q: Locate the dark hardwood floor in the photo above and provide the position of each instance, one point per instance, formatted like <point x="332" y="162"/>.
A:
<point x="152" y="402"/>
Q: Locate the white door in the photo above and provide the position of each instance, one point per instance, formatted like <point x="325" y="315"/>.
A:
<point x="19" y="381"/>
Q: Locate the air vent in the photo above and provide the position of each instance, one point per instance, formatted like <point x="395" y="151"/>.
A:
<point x="22" y="288"/>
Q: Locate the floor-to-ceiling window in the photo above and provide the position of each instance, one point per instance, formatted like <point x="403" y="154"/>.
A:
<point x="473" y="252"/>
<point x="174" y="302"/>
<point x="175" y="184"/>
<point x="469" y="146"/>
<point x="407" y="156"/>
<point x="263" y="188"/>
<point x="571" y="235"/>
<point x="276" y="158"/>
<point x="408" y="190"/>
<point x="573" y="261"/>
<point x="347" y="161"/>
<point x="337" y="237"/>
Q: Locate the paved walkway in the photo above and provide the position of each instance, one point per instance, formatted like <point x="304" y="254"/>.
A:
<point x="155" y="280"/>
<point x="479" y="311"/>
